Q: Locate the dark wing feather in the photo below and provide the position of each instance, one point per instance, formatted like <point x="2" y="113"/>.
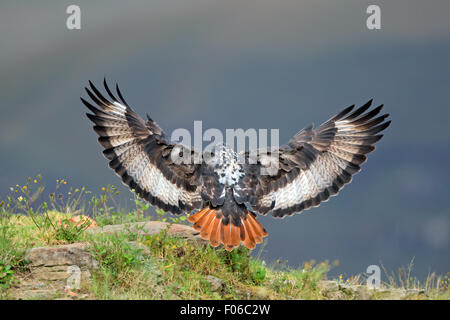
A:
<point x="314" y="165"/>
<point x="139" y="153"/>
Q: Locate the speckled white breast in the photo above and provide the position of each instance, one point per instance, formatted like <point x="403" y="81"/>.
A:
<point x="227" y="168"/>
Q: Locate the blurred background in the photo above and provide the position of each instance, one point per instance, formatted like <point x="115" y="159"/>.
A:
<point x="248" y="64"/>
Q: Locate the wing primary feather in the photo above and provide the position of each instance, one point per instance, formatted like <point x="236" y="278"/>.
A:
<point x="102" y="113"/>
<point x="120" y="95"/>
<point x="94" y="98"/>
<point x="90" y="106"/>
<point x="359" y="111"/>
<point x="109" y="91"/>
<point x="367" y="116"/>
<point x="371" y="123"/>
<point x="342" y="113"/>
<point x="98" y="93"/>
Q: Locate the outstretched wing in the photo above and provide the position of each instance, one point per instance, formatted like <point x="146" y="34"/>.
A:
<point x="314" y="165"/>
<point x="139" y="153"/>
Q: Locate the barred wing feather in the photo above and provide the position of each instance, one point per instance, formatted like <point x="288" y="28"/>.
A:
<point x="315" y="164"/>
<point x="139" y="153"/>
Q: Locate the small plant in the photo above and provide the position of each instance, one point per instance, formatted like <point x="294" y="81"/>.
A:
<point x="259" y="271"/>
<point x="116" y="254"/>
<point x="6" y="276"/>
<point x="238" y="261"/>
<point x="164" y="217"/>
<point x="10" y="253"/>
<point x="69" y="230"/>
<point x="142" y="206"/>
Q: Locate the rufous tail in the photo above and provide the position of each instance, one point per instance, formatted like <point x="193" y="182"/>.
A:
<point x="209" y="223"/>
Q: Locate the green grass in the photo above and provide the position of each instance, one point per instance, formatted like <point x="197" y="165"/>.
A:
<point x="164" y="267"/>
<point x="134" y="266"/>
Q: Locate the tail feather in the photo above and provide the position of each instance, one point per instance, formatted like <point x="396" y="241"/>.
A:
<point x="227" y="237"/>
<point x="257" y="227"/>
<point x="195" y="217"/>
<point x="214" y="238"/>
<point x="242" y="232"/>
<point x="200" y="222"/>
<point x="207" y="226"/>
<point x="256" y="235"/>
<point x="249" y="240"/>
<point x="235" y="237"/>
<point x="209" y="223"/>
<point x="222" y="232"/>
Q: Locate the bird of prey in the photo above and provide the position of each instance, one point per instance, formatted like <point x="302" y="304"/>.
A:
<point x="227" y="195"/>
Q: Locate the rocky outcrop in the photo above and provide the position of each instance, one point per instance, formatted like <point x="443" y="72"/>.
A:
<point x="63" y="271"/>
<point x="335" y="290"/>
<point x="150" y="228"/>
<point x="55" y="272"/>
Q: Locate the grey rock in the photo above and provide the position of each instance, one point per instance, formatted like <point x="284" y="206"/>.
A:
<point x="151" y="228"/>
<point x="53" y="270"/>
<point x="64" y="255"/>
<point x="216" y="284"/>
<point x="329" y="286"/>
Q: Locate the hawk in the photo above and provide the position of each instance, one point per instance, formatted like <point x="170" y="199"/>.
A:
<point x="227" y="195"/>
